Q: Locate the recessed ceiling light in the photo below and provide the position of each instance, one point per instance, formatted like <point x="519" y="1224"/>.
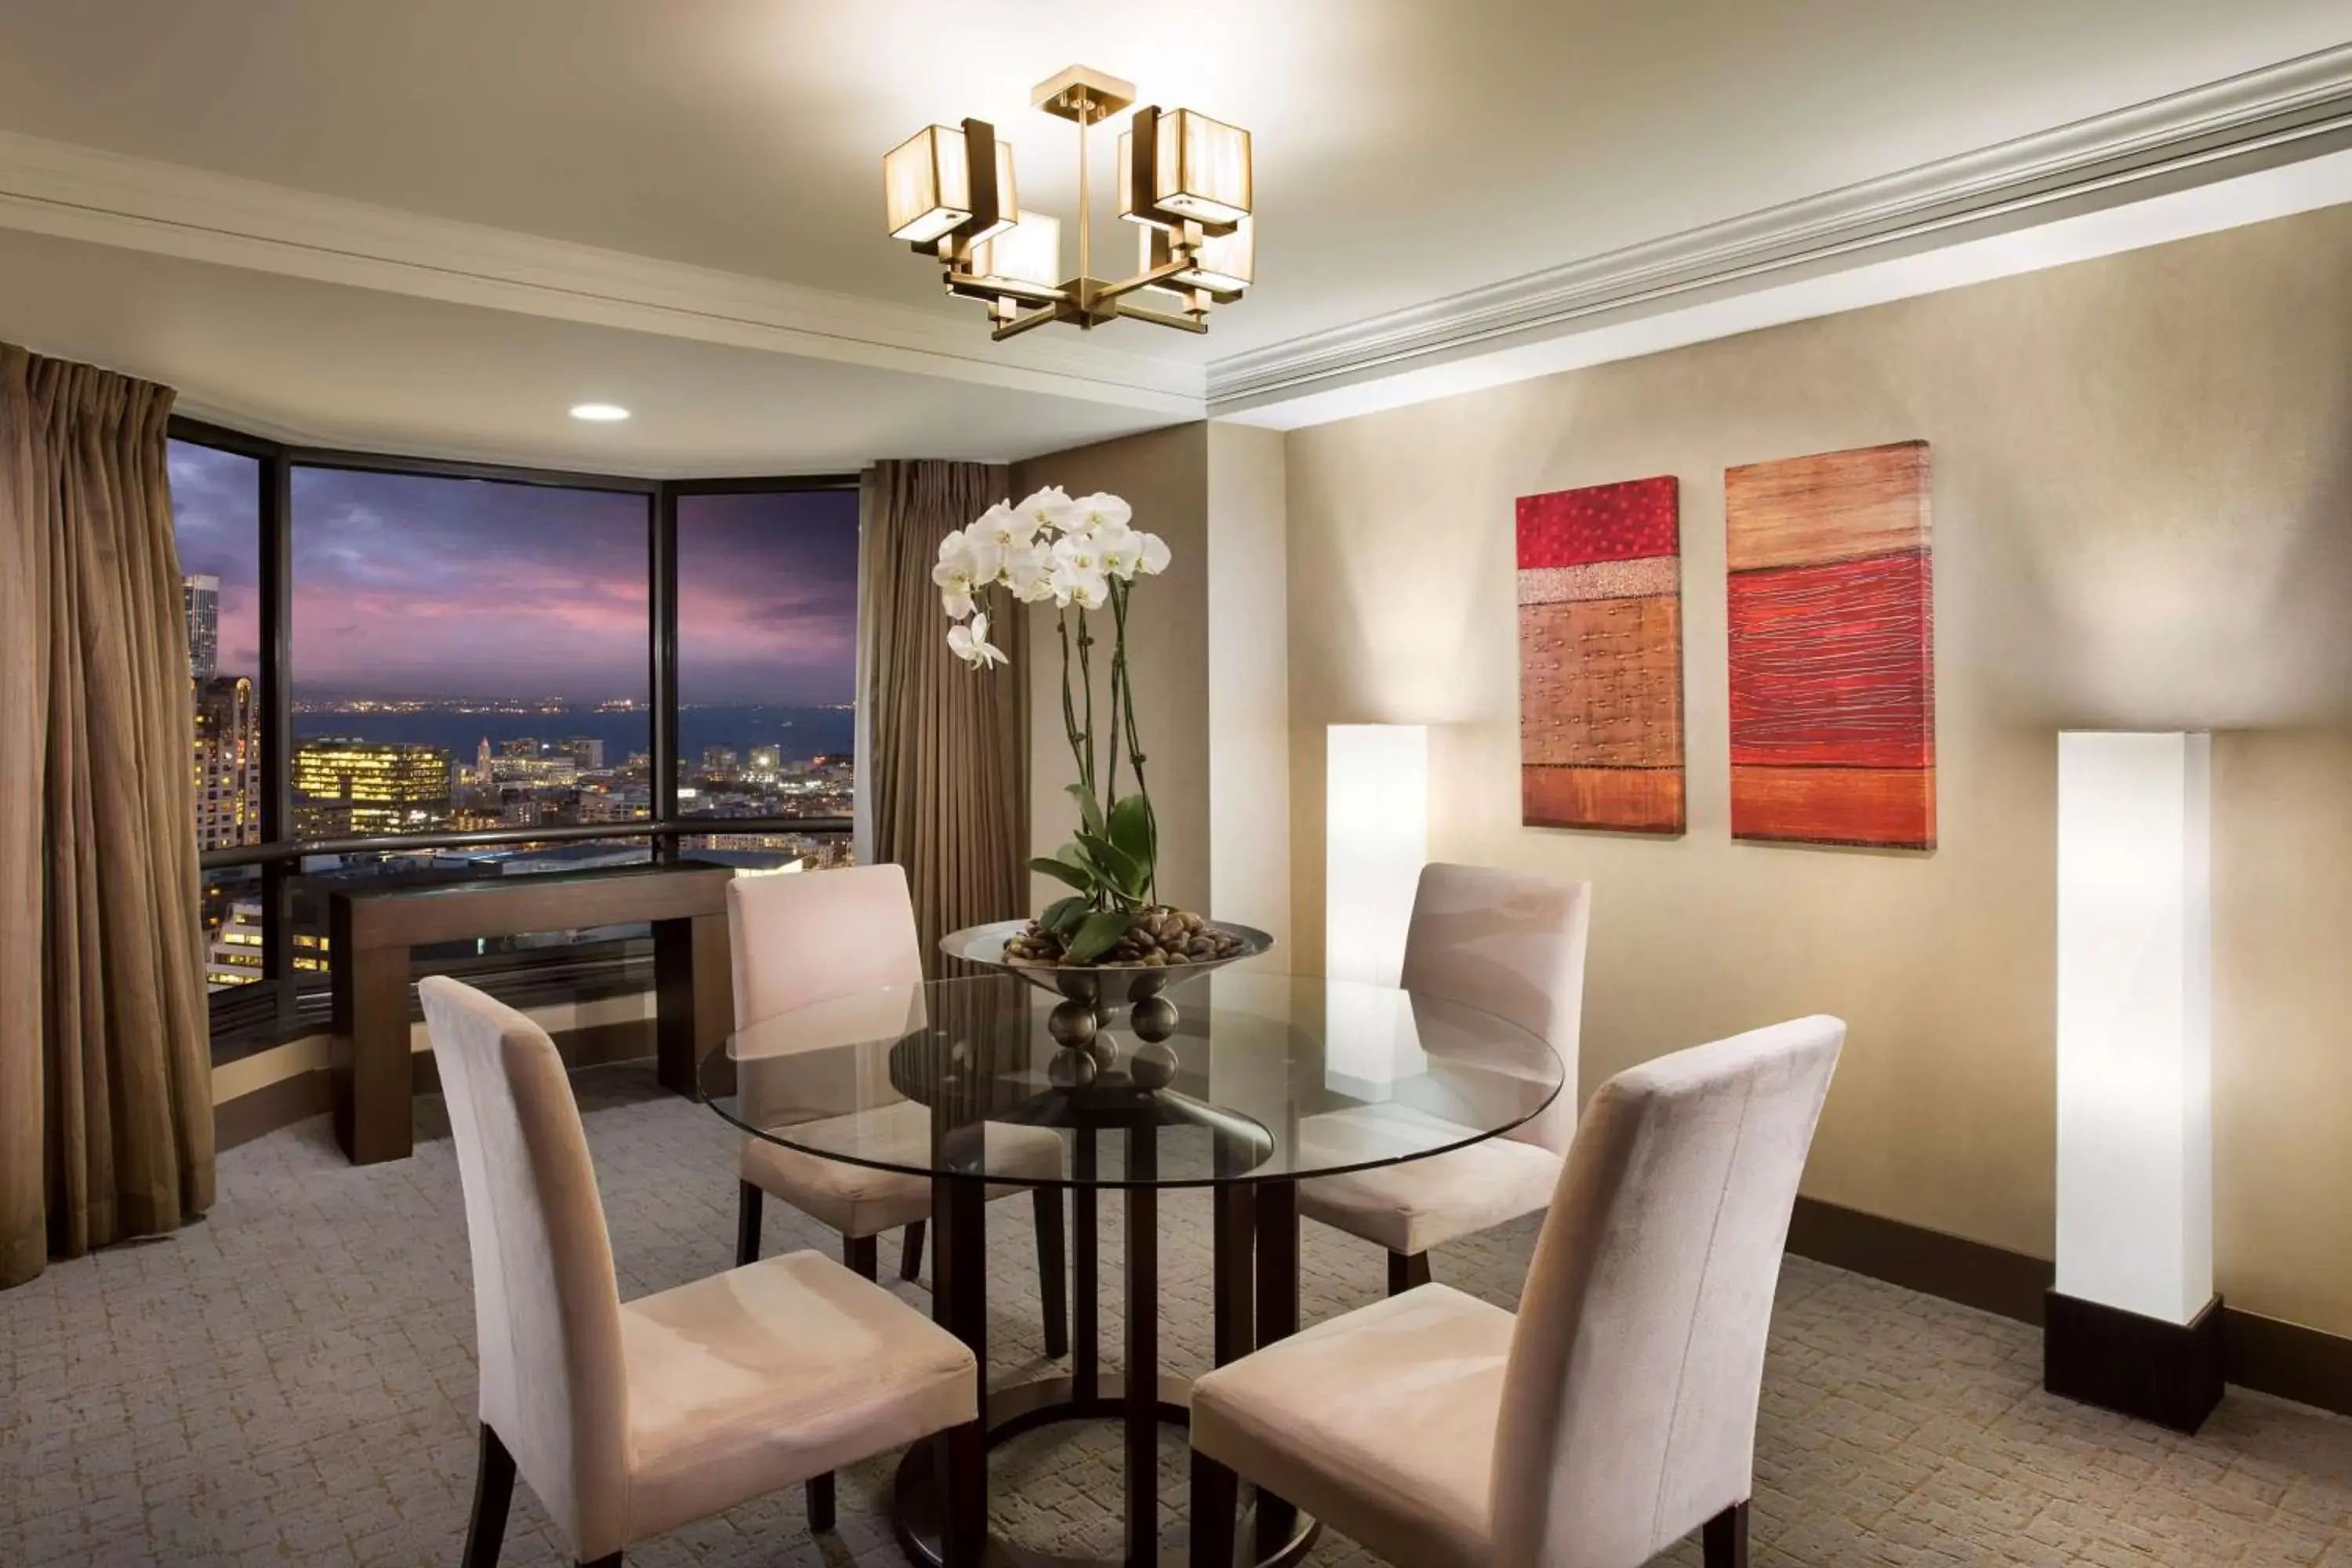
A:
<point x="599" y="413"/>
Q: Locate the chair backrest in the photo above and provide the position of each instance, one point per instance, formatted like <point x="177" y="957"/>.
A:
<point x="1511" y="944"/>
<point x="547" y="1307"/>
<point x="1629" y="1404"/>
<point x="809" y="936"/>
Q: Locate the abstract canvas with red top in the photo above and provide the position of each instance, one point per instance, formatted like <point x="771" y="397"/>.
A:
<point x="1833" y="649"/>
<point x="1601" y="658"/>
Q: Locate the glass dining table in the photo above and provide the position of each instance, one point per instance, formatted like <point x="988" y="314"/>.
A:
<point x="1241" y="1082"/>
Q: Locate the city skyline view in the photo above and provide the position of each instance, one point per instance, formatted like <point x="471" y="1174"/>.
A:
<point x="420" y="586"/>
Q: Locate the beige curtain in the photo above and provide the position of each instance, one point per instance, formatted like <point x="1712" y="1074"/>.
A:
<point x="105" y="1081"/>
<point x="947" y="747"/>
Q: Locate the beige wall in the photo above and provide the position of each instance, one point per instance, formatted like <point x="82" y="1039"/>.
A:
<point x="1249" y="683"/>
<point x="2143" y="500"/>
<point x="1164" y="475"/>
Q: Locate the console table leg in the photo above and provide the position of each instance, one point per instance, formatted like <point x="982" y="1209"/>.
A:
<point x="693" y="1000"/>
<point x="374" y="1080"/>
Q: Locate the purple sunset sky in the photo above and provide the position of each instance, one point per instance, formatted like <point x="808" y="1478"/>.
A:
<point x="408" y="585"/>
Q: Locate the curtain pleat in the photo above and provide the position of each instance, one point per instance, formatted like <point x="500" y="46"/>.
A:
<point x="947" y="750"/>
<point x="105" y="1079"/>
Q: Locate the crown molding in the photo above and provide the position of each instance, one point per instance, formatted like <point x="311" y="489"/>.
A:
<point x="2280" y="114"/>
<point x="78" y="193"/>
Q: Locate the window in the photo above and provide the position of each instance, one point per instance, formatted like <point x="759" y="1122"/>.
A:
<point x="467" y="654"/>
<point x="216" y="521"/>
<point x="767" y="668"/>
<point x="459" y="665"/>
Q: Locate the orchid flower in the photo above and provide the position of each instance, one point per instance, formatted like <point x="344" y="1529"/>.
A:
<point x="1078" y="552"/>
<point x="1154" y="557"/>
<point x="965" y="566"/>
<point x="1029" y="572"/>
<point x="1120" y="550"/>
<point x="1048" y="508"/>
<point x="969" y="642"/>
<point x="1092" y="513"/>
<point x="1005" y="528"/>
<point x="1088" y="590"/>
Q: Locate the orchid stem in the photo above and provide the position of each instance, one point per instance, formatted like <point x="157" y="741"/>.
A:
<point x="1123" y="696"/>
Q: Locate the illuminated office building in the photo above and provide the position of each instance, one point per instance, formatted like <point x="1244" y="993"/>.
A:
<point x="227" y="739"/>
<point x="362" y="787"/>
<point x="200" y="601"/>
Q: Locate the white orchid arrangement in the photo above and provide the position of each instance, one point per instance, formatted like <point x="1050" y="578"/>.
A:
<point x="1083" y="555"/>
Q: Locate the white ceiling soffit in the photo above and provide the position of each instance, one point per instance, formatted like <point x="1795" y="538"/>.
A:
<point x="2260" y="145"/>
<point x="78" y="193"/>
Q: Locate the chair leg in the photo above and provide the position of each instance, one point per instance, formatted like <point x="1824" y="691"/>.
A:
<point x="1724" y="1539"/>
<point x="862" y="1254"/>
<point x="494" y="1482"/>
<point x="1052" y="1271"/>
<point x="910" y="1262"/>
<point x="1407" y="1270"/>
<point x="747" y="1198"/>
<point x="1216" y="1513"/>
<point x="819" y="1489"/>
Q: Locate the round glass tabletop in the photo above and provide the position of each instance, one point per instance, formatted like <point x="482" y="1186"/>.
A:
<point x="1232" y="1077"/>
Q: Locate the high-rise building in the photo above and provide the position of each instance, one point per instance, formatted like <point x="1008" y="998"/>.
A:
<point x="370" y="786"/>
<point x="767" y="764"/>
<point x="227" y="762"/>
<point x="482" y="774"/>
<point x="586" y="752"/>
<point x="200" y="601"/>
<point x="719" y="762"/>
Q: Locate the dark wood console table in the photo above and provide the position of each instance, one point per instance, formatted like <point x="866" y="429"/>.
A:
<point x="372" y="932"/>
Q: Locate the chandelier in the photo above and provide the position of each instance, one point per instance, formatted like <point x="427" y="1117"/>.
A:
<point x="1183" y="182"/>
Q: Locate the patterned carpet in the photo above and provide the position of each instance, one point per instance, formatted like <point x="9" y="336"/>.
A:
<point x="293" y="1381"/>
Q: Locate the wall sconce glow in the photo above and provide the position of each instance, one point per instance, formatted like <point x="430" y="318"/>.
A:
<point x="1376" y="840"/>
<point x="599" y="413"/>
<point x="2135" y="1070"/>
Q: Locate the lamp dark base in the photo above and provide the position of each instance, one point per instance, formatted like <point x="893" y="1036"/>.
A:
<point x="2169" y="1373"/>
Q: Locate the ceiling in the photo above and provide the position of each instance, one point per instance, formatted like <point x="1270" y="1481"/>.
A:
<point x="1406" y="150"/>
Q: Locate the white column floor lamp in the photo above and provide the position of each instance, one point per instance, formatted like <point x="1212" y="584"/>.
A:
<point x="2132" y="1322"/>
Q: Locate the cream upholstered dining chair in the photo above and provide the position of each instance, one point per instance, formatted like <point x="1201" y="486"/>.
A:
<point x="798" y="939"/>
<point x="1616" y="1413"/>
<point x="628" y="1419"/>
<point x="1507" y="942"/>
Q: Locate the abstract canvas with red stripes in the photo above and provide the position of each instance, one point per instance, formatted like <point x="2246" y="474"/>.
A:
<point x="1601" y="658"/>
<point x="1833" y="649"/>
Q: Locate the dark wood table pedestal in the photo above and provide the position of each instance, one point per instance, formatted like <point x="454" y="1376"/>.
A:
<point x="372" y="934"/>
<point x="942" y="1484"/>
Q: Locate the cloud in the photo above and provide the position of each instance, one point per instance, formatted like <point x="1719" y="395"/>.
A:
<point x="419" y="585"/>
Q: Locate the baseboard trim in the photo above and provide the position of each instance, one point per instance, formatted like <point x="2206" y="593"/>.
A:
<point x="1973" y="1273"/>
<point x="298" y="1098"/>
<point x="2288" y="1359"/>
<point x="263" y="1110"/>
<point x="2307" y="1365"/>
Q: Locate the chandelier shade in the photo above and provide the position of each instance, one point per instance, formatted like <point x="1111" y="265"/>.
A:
<point x="1202" y="168"/>
<point x="927" y="185"/>
<point x="929" y="191"/>
<point x="1025" y="255"/>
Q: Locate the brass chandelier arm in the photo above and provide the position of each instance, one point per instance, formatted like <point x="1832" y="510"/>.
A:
<point x="1161" y="318"/>
<point x="1034" y="319"/>
<point x="1142" y="280"/>
<point x="978" y="288"/>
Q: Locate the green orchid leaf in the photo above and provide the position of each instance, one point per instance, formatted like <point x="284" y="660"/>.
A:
<point x="1063" y="915"/>
<point x="1089" y="815"/>
<point x="1085" y="878"/>
<point x="1131" y="828"/>
<point x="1097" y="935"/>
<point x="1118" y="867"/>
